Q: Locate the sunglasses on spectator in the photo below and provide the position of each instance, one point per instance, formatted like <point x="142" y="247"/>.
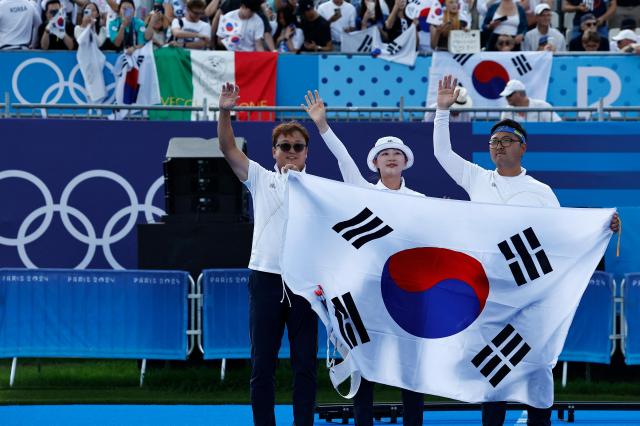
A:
<point x="53" y="11"/>
<point x="590" y="24"/>
<point x="286" y="147"/>
<point x="505" y="43"/>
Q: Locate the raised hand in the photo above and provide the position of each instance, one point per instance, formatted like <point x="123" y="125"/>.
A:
<point x="228" y="96"/>
<point x="447" y="92"/>
<point x="316" y="110"/>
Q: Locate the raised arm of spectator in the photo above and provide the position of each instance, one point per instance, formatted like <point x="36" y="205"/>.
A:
<point x="611" y="8"/>
<point x="570" y="7"/>
<point x="317" y="112"/>
<point x="451" y="162"/>
<point x="393" y="15"/>
<point x="168" y="10"/>
<point x="212" y="8"/>
<point x="235" y="157"/>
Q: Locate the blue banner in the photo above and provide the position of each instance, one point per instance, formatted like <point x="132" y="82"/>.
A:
<point x="93" y="314"/>
<point x="589" y="338"/>
<point x="75" y="189"/>
<point x="343" y="80"/>
<point x="225" y="319"/>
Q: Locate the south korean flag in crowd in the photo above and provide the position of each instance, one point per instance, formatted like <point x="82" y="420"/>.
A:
<point x="57" y="24"/>
<point x="402" y="50"/>
<point x="463" y="300"/>
<point x="232" y="32"/>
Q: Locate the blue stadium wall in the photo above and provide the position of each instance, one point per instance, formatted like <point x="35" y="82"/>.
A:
<point x="73" y="190"/>
<point x="344" y="80"/>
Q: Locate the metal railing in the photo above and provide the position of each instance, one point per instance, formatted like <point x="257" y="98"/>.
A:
<point x="400" y="113"/>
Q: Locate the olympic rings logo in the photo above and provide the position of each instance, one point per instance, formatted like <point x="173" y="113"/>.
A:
<point x="58" y="88"/>
<point x="89" y="236"/>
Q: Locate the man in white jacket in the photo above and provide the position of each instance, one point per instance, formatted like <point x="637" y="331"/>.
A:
<point x="507" y="184"/>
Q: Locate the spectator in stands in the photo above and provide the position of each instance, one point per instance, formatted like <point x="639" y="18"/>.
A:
<point x="626" y="10"/>
<point x="19" y="21"/>
<point x="516" y="95"/>
<point x="272" y="19"/>
<point x="624" y="41"/>
<point x="316" y="29"/>
<point x="504" y="43"/>
<point x="159" y="23"/>
<point x="450" y="21"/>
<point x="591" y="41"/>
<point x="242" y="29"/>
<point x="396" y="23"/>
<point x="91" y="18"/>
<point x="601" y="11"/>
<point x="342" y="17"/>
<point x="55" y="32"/>
<point x="230" y="5"/>
<point x="587" y="24"/>
<point x="254" y="7"/>
<point x="543" y="36"/>
<point x="190" y="32"/>
<point x="126" y="31"/>
<point x="506" y="17"/>
<point x="529" y="7"/>
<point x="288" y="36"/>
<point x="271" y="304"/>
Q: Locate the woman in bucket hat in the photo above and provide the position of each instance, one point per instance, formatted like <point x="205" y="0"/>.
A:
<point x="388" y="157"/>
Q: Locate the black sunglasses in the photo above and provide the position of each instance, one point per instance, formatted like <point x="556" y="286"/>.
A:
<point x="297" y="147"/>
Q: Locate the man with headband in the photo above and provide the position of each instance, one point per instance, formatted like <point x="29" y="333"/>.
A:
<point x="507" y="184"/>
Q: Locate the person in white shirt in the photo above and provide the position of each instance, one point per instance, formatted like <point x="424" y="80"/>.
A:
<point x="190" y="32"/>
<point x="342" y="17"/>
<point x="543" y="36"/>
<point x="625" y="41"/>
<point x="507" y="184"/>
<point x="242" y="30"/>
<point x="19" y="21"/>
<point x="91" y="18"/>
<point x="389" y="158"/>
<point x="271" y="304"/>
<point x="515" y="93"/>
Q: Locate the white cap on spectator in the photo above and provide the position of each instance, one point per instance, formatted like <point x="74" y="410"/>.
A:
<point x="463" y="100"/>
<point x="541" y="8"/>
<point x="625" y="35"/>
<point x="513" y="86"/>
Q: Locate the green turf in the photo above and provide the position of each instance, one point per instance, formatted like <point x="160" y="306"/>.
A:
<point x="50" y="381"/>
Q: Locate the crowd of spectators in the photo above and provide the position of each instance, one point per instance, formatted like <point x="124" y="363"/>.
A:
<point x="317" y="25"/>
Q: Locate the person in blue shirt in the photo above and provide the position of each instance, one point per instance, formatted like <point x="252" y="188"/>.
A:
<point x="126" y="31"/>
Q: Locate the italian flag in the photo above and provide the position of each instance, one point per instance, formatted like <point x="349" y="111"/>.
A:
<point x="188" y="77"/>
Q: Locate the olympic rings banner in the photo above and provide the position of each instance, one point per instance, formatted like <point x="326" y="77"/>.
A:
<point x="576" y="80"/>
<point x="72" y="191"/>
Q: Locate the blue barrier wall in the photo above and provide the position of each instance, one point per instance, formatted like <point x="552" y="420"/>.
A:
<point x="354" y="80"/>
<point x="93" y="314"/>
<point x="77" y="187"/>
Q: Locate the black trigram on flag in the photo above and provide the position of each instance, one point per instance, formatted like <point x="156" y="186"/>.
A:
<point x="525" y="253"/>
<point x="462" y="58"/>
<point x="365" y="46"/>
<point x="349" y="321"/>
<point x="521" y="64"/>
<point x="393" y="48"/>
<point x="508" y="349"/>
<point x="361" y="226"/>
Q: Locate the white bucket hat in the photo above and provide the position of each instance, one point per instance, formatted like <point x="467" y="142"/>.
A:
<point x="389" y="142"/>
